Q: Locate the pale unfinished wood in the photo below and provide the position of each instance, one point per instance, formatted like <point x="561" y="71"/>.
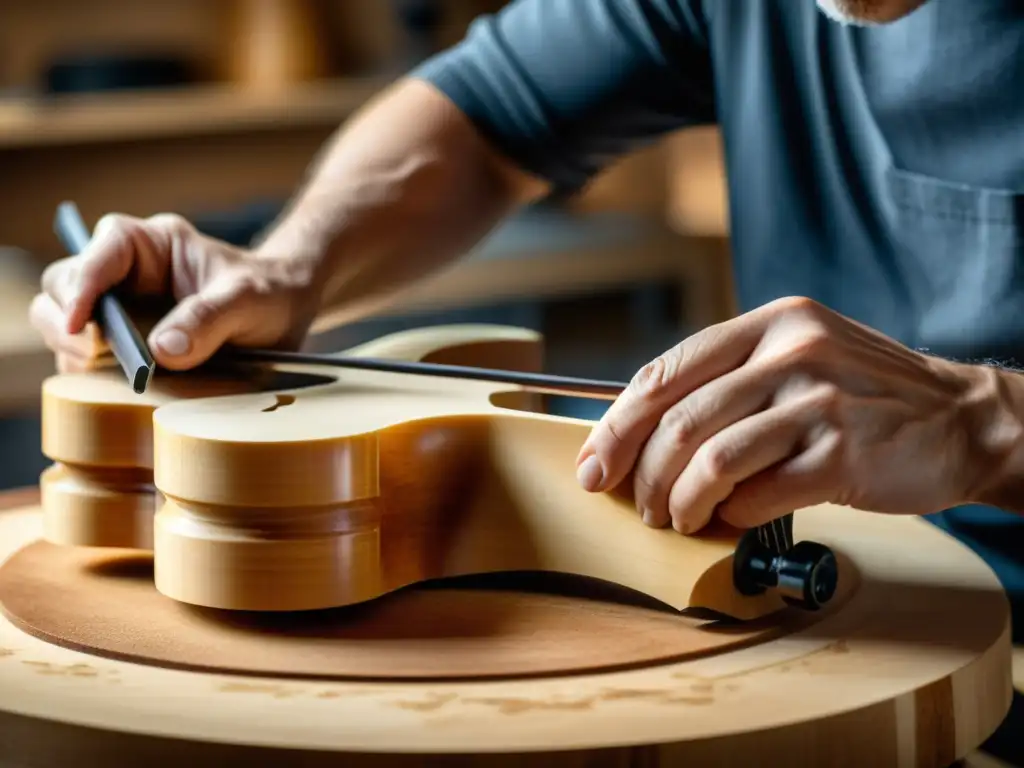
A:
<point x="337" y="493"/>
<point x="99" y="491"/>
<point x="98" y="433"/>
<point x="913" y="671"/>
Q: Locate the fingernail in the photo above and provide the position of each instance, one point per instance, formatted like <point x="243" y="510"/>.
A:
<point x="173" y="342"/>
<point x="648" y="517"/>
<point x="590" y="474"/>
<point x="585" y="452"/>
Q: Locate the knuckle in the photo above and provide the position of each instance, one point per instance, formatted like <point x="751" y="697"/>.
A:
<point x="244" y="285"/>
<point x="827" y="397"/>
<point x="796" y="304"/>
<point x="201" y="311"/>
<point x="172" y="223"/>
<point x="39" y="310"/>
<point x="115" y="224"/>
<point x="112" y="243"/>
<point x="41" y="319"/>
<point x="655" y="379"/>
<point x="61" y="280"/>
<point x="652" y="378"/>
<point x="812" y="346"/>
<point x="716" y="460"/>
<point x="53" y="274"/>
<point x="679" y="424"/>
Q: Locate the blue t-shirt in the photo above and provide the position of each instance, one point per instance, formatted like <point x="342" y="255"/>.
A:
<point x="879" y="170"/>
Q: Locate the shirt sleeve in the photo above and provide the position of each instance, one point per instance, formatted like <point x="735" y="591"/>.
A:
<point x="563" y="87"/>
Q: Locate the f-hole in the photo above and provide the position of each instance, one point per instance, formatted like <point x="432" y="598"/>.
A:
<point x="280" y="401"/>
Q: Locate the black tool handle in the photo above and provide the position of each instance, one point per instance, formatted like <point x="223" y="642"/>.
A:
<point x="120" y="332"/>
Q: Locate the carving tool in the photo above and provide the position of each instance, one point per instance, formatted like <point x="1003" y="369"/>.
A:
<point x="599" y="389"/>
<point x="118" y="329"/>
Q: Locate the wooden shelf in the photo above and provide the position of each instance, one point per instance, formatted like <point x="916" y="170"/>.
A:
<point x="197" y="110"/>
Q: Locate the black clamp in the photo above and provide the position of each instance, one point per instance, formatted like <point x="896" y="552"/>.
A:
<point x="805" y="574"/>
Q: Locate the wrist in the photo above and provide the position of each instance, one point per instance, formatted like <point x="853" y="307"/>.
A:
<point x="992" y="410"/>
<point x="299" y="247"/>
<point x="295" y="245"/>
<point x="292" y="277"/>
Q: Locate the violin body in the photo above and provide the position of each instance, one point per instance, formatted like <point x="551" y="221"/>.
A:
<point x="353" y="484"/>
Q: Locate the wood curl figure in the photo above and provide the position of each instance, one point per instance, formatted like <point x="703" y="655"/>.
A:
<point x="313" y="563"/>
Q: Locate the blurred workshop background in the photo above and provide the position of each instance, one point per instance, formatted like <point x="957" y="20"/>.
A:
<point x="215" y="109"/>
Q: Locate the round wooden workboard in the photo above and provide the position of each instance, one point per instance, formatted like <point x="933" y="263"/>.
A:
<point x="913" y="669"/>
<point x="104" y="602"/>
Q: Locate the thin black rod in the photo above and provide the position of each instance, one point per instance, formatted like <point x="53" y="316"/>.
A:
<point x="118" y="329"/>
<point x="536" y="381"/>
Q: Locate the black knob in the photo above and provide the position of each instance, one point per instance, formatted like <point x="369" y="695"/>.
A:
<point x="806" y="575"/>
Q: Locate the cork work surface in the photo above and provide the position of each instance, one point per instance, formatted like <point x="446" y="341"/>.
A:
<point x="103" y="602"/>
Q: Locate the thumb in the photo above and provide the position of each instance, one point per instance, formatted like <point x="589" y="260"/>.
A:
<point x="201" y="324"/>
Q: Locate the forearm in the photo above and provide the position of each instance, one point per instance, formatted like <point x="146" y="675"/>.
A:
<point x="404" y="189"/>
<point x="993" y="415"/>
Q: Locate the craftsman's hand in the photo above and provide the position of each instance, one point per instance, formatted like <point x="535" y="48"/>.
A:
<point x="219" y="294"/>
<point x="792" y="405"/>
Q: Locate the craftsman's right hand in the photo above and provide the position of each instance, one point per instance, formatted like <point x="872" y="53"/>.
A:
<point x="219" y="294"/>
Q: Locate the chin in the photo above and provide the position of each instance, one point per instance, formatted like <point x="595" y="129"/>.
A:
<point x="868" y="12"/>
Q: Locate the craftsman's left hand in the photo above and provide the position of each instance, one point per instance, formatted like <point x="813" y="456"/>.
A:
<point x="787" y="406"/>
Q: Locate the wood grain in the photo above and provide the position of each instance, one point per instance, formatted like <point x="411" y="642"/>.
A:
<point x="859" y="688"/>
<point x="513" y="625"/>
<point x="329" y="494"/>
<point x="417" y="481"/>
